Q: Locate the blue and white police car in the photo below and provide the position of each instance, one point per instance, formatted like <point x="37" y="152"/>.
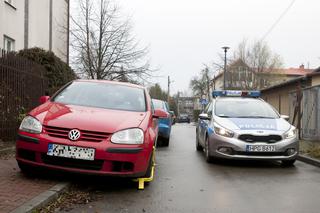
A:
<point x="240" y="125"/>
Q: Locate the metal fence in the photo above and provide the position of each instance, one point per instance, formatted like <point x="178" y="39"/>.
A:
<point x="22" y="82"/>
<point x="309" y="112"/>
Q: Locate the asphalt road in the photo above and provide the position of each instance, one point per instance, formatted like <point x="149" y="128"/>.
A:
<point x="185" y="183"/>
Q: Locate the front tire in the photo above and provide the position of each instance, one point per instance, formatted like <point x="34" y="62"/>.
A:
<point x="209" y="158"/>
<point x="198" y="146"/>
<point x="288" y="163"/>
<point x="165" y="141"/>
<point x="25" y="169"/>
<point x="151" y="163"/>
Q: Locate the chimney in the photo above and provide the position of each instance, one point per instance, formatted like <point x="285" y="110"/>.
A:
<point x="301" y="67"/>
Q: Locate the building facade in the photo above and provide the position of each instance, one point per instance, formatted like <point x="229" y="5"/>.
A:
<point x="35" y="23"/>
<point x="241" y="77"/>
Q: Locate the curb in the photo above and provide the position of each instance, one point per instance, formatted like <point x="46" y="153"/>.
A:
<point x="309" y="160"/>
<point x="42" y="199"/>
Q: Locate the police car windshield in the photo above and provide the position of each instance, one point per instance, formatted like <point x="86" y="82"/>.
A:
<point x="244" y="108"/>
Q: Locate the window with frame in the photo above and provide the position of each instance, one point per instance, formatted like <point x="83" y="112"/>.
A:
<point x="8" y="44"/>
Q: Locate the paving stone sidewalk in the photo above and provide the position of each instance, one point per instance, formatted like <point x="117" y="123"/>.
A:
<point x="15" y="188"/>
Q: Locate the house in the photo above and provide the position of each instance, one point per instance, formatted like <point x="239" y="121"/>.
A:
<point x="35" y="23"/>
<point x="302" y="95"/>
<point x="240" y="76"/>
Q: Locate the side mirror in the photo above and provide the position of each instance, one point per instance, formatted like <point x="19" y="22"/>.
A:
<point x="43" y="99"/>
<point x="204" y="116"/>
<point x="159" y="113"/>
<point x="285" y="117"/>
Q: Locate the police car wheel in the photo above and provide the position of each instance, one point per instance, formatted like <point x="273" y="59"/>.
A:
<point x="288" y="163"/>
<point x="198" y="146"/>
<point x="209" y="158"/>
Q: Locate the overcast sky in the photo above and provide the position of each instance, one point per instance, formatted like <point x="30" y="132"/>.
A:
<point x="184" y="34"/>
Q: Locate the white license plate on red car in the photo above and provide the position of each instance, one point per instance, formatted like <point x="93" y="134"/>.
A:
<point x="71" y="152"/>
<point x="261" y="148"/>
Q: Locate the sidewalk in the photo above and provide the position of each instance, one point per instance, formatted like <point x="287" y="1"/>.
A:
<point x="15" y="188"/>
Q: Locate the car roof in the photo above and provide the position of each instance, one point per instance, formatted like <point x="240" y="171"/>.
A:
<point x="111" y="82"/>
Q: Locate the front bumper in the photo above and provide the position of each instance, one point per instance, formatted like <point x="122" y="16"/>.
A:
<point x="237" y="149"/>
<point x="110" y="159"/>
<point x="164" y="130"/>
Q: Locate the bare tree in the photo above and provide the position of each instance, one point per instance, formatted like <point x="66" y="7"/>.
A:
<point x="201" y="84"/>
<point x="258" y="56"/>
<point x="103" y="46"/>
<point x="254" y="60"/>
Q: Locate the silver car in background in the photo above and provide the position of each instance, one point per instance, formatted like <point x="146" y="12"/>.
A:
<point x="240" y="125"/>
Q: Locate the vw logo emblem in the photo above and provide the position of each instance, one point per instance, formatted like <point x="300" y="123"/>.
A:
<point x="74" y="134"/>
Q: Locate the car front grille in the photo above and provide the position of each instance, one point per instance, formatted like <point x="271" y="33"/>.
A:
<point x="260" y="153"/>
<point x="253" y="138"/>
<point x="72" y="163"/>
<point x="86" y="135"/>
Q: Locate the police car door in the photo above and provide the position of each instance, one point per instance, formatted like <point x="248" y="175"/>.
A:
<point x="203" y="124"/>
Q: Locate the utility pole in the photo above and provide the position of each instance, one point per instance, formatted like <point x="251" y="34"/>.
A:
<point x="225" y="66"/>
<point x="178" y="111"/>
<point x="169" y="82"/>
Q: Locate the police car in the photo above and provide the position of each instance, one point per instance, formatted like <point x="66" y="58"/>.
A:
<point x="240" y="125"/>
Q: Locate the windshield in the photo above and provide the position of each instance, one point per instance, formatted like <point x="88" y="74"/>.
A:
<point x="157" y="104"/>
<point x="103" y="95"/>
<point x="244" y="108"/>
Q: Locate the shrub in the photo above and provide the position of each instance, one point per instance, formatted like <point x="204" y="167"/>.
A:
<point x="58" y="72"/>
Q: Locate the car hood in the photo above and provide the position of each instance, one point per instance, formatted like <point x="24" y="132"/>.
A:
<point x="272" y="124"/>
<point x="86" y="118"/>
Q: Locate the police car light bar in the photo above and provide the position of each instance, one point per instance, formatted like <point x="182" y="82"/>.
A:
<point x="236" y="93"/>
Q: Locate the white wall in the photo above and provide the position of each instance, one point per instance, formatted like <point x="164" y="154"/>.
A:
<point x="59" y="28"/>
<point x="39" y="23"/>
<point x="12" y="23"/>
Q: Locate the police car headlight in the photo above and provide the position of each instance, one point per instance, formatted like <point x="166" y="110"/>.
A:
<point x="31" y="125"/>
<point x="128" y="136"/>
<point x="219" y="130"/>
<point x="292" y="133"/>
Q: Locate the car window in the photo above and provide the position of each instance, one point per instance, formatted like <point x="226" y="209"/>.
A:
<point x="208" y="109"/>
<point x="244" y="108"/>
<point x="157" y="104"/>
<point x="103" y="95"/>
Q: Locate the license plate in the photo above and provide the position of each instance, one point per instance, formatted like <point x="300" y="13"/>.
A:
<point x="71" y="152"/>
<point x="261" y="148"/>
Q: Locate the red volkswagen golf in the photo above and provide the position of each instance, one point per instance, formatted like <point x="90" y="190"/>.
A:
<point x="89" y="126"/>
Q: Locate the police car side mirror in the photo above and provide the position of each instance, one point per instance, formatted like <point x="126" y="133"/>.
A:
<point x="285" y="117"/>
<point x="204" y="116"/>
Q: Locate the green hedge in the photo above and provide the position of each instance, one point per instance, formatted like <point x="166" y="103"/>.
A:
<point x="58" y="72"/>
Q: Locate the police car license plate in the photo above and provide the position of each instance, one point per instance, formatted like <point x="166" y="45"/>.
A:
<point x="71" y="152"/>
<point x="261" y="148"/>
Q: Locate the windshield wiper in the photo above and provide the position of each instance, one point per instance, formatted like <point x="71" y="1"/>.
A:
<point x="223" y="116"/>
<point x="254" y="117"/>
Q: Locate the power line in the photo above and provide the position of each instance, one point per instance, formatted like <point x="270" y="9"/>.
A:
<point x="279" y="19"/>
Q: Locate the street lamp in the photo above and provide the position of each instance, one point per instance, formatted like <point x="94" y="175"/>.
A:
<point x="225" y="66"/>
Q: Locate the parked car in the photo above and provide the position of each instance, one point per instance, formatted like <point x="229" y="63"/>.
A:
<point x="173" y="117"/>
<point x="92" y="127"/>
<point x="240" y="125"/>
<point x="184" y="118"/>
<point x="164" y="123"/>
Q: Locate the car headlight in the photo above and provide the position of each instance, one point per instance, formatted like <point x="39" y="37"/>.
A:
<point x="292" y="133"/>
<point x="128" y="136"/>
<point x="31" y="125"/>
<point x="219" y="130"/>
